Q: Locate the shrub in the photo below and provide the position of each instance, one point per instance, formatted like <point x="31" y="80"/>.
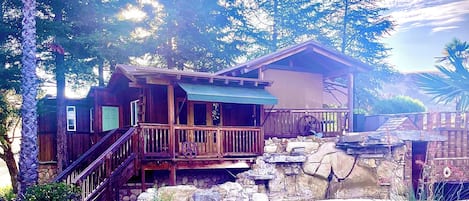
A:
<point x="398" y="104"/>
<point x="52" y="192"/>
<point x="6" y="193"/>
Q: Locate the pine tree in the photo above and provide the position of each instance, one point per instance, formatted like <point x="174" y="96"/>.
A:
<point x="201" y="36"/>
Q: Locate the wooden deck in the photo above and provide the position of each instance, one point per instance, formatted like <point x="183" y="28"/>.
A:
<point x="126" y="152"/>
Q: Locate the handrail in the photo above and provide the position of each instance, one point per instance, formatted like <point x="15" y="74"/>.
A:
<point x="308" y="110"/>
<point x="101" y="158"/>
<point x="106" y="157"/>
<point x="85" y="156"/>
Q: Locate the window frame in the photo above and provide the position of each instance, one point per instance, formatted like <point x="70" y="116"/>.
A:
<point x="134" y="112"/>
<point x="72" y="117"/>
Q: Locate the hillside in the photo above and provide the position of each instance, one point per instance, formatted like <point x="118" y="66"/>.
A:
<point x="406" y="86"/>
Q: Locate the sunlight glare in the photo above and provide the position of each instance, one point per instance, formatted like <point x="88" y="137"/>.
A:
<point x="132" y="13"/>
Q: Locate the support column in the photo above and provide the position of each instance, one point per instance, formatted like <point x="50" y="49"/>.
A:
<point x="350" y="101"/>
<point x="172" y="174"/>
<point x="171" y="118"/>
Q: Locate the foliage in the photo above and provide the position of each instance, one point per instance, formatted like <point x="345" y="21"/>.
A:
<point x="7" y="194"/>
<point x="202" y="36"/>
<point x="398" y="104"/>
<point x="451" y="84"/>
<point x="354" y="28"/>
<point x="52" y="192"/>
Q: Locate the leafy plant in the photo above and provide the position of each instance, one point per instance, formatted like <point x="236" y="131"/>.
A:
<point x="52" y="192"/>
<point x="452" y="83"/>
<point x="7" y="194"/>
<point x="398" y="104"/>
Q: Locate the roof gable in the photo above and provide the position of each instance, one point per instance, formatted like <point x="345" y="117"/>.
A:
<point x="307" y="56"/>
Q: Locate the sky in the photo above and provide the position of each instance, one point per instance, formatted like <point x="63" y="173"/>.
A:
<point x="423" y="29"/>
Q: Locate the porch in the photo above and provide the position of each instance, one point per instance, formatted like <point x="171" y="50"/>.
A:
<point x="183" y="142"/>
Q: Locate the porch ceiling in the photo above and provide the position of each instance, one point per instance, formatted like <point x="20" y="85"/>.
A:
<point x="228" y="94"/>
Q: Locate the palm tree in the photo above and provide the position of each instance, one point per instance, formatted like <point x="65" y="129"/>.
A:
<point x="452" y="83"/>
<point x="28" y="162"/>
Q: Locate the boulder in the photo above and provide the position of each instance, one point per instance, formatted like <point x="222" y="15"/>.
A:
<point x="176" y="193"/>
<point x="361" y="183"/>
<point x="278" y="183"/>
<point x="311" y="186"/>
<point x="206" y="195"/>
<point x="342" y="164"/>
<point x="228" y="188"/>
<point x="310" y="147"/>
<point x="270" y="148"/>
<point x="260" y="197"/>
<point x="324" y="169"/>
<point x="282" y="158"/>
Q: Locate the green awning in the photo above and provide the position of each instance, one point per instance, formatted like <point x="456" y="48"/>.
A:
<point x="228" y="94"/>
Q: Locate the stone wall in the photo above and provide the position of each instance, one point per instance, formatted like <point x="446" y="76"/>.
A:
<point x="308" y="168"/>
<point x="47" y="172"/>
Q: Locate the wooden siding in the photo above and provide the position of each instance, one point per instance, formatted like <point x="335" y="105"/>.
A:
<point x="452" y="154"/>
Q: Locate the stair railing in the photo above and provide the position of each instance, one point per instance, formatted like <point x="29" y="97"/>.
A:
<point x="90" y="155"/>
<point x="97" y="178"/>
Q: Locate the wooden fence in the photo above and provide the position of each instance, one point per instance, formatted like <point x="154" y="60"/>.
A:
<point x="294" y="122"/>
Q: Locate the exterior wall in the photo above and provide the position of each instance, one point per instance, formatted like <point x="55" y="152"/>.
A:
<point x="295" y="90"/>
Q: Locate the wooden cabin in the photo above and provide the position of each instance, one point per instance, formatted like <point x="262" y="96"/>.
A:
<point x="152" y="119"/>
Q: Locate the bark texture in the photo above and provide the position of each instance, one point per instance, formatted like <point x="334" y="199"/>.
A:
<point x="28" y="163"/>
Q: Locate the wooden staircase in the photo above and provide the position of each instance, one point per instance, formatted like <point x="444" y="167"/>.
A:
<point x="105" y="167"/>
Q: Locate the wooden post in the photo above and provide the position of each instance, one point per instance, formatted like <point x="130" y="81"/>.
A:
<point x="350" y="101"/>
<point x="172" y="174"/>
<point x="144" y="186"/>
<point x="171" y="118"/>
<point x="219" y="142"/>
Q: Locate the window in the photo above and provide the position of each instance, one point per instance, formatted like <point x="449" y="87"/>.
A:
<point x="110" y="117"/>
<point x="71" y="118"/>
<point x="91" y="120"/>
<point x="134" y="113"/>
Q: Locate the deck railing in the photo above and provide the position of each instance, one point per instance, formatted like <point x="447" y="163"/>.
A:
<point x="199" y="141"/>
<point x="156" y="140"/>
<point x="69" y="174"/>
<point x="294" y="122"/>
<point x="98" y="177"/>
<point x="424" y="120"/>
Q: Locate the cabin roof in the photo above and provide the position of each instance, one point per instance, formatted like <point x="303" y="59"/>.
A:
<point x="146" y="74"/>
<point x="397" y="123"/>
<point x="305" y="55"/>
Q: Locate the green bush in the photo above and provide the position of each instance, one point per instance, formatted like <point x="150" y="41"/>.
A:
<point x="6" y="193"/>
<point x="52" y="192"/>
<point x="398" y="104"/>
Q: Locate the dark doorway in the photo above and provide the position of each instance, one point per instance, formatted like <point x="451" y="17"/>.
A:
<point x="200" y="114"/>
<point x="419" y="155"/>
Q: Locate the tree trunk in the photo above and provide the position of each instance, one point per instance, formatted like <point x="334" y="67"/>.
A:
<point x="101" y="73"/>
<point x="276" y="16"/>
<point x="28" y="165"/>
<point x="62" y="148"/>
<point x="8" y="157"/>
<point x="344" y="28"/>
